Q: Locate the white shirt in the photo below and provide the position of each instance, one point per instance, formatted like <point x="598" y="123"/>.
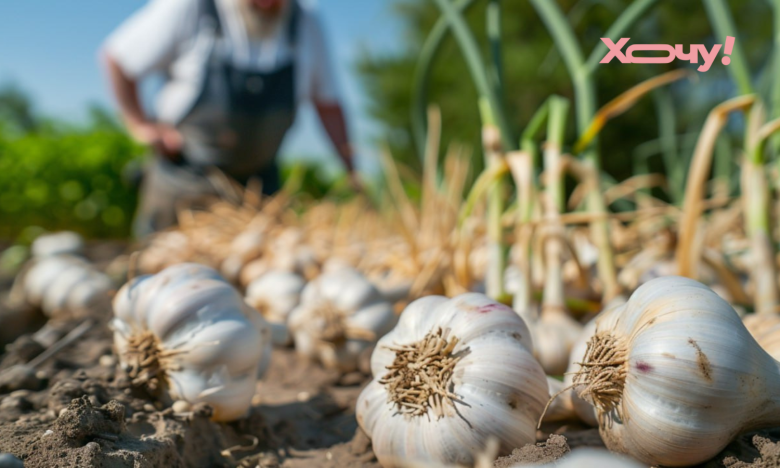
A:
<point x="166" y="36"/>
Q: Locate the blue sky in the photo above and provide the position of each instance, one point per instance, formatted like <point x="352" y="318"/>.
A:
<point x="49" y="48"/>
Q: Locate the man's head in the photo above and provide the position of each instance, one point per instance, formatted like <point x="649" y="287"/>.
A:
<point x="268" y="7"/>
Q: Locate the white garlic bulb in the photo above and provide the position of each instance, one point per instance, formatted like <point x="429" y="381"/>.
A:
<point x="58" y="243"/>
<point x="588" y="457"/>
<point x="341" y="314"/>
<point x="554" y="334"/>
<point x="675" y="376"/>
<point x="186" y="334"/>
<point x="560" y="408"/>
<point x="63" y="284"/>
<point x="275" y="294"/>
<point x="452" y="374"/>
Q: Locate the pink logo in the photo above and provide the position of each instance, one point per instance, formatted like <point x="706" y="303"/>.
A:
<point x="676" y="52"/>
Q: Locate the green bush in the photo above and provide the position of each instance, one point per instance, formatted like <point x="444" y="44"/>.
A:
<point x="63" y="177"/>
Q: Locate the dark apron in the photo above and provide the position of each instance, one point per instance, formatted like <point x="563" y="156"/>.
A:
<point x="236" y="124"/>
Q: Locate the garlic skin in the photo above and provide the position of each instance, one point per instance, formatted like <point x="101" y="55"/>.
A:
<point x="588" y="457"/>
<point x="197" y="339"/>
<point x="499" y="388"/>
<point x="341" y="314"/>
<point x="684" y="376"/>
<point x="58" y="243"/>
<point x="275" y="294"/>
<point x="63" y="284"/>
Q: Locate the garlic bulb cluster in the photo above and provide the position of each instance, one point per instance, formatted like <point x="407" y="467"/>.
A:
<point x="58" y="243"/>
<point x="675" y="376"/>
<point x="590" y="458"/>
<point x="340" y="316"/>
<point x="275" y="294"/>
<point x="186" y="333"/>
<point x="63" y="284"/>
<point x="452" y="374"/>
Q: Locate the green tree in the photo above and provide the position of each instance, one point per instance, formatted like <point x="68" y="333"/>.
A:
<point x="533" y="70"/>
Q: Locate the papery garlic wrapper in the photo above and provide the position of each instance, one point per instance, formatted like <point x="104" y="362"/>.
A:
<point x="675" y="376"/>
<point x="186" y="333"/>
<point x="451" y="374"/>
<point x="341" y="315"/>
<point x="275" y="294"/>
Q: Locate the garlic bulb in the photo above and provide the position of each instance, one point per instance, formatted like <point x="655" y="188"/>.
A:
<point x="186" y="334"/>
<point x="63" y="242"/>
<point x="561" y="408"/>
<point x="451" y="374"/>
<point x="341" y="315"/>
<point x="555" y="333"/>
<point x="275" y="295"/>
<point x="675" y="376"/>
<point x="63" y="284"/>
<point x="589" y="458"/>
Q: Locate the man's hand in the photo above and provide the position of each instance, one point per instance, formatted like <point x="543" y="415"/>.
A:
<point x="165" y="139"/>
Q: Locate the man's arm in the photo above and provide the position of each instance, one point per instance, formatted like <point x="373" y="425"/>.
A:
<point x="165" y="139"/>
<point x="332" y="118"/>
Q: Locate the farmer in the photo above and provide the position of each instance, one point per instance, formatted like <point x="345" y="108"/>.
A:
<point x="234" y="72"/>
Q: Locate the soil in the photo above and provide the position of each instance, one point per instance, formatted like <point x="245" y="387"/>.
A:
<point x="78" y="409"/>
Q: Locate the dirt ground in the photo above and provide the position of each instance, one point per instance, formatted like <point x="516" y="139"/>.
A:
<point x="77" y="409"/>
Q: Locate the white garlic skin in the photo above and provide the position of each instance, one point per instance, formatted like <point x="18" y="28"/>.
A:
<point x="191" y="307"/>
<point x="695" y="376"/>
<point x="588" y="457"/>
<point x="356" y="301"/>
<point x="275" y="294"/>
<point x="58" y="243"/>
<point x="64" y="283"/>
<point x="502" y="387"/>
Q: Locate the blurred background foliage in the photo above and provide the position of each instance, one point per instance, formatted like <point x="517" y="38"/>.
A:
<point x="533" y="70"/>
<point x="59" y="175"/>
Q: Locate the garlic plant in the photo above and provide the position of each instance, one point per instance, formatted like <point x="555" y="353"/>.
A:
<point x="340" y="316"/>
<point x="186" y="334"/>
<point x="275" y="294"/>
<point x="63" y="284"/>
<point x="675" y="376"/>
<point x="63" y="242"/>
<point x="452" y="374"/>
